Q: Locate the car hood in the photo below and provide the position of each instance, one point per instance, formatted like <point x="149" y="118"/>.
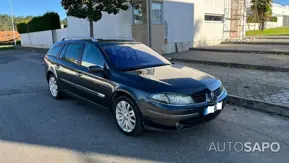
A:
<point x="177" y="77"/>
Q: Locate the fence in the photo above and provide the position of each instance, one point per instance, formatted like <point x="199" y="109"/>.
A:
<point x="43" y="39"/>
<point x="268" y="25"/>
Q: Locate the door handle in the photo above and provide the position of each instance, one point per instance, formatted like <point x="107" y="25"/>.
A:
<point x="57" y="66"/>
<point x="79" y="74"/>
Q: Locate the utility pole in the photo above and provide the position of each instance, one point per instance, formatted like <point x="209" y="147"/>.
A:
<point x="149" y="22"/>
<point x="12" y="23"/>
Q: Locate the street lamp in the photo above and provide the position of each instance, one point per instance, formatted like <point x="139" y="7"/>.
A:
<point x="12" y="23"/>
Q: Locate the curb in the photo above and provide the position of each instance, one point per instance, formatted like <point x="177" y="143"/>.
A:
<point x="236" y="65"/>
<point x="241" y="51"/>
<point x="258" y="43"/>
<point x="260" y="105"/>
<point x="270" y="37"/>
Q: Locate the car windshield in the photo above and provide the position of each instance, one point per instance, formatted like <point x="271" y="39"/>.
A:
<point x="132" y="56"/>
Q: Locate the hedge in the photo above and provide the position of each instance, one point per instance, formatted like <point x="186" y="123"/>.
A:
<point x="48" y="21"/>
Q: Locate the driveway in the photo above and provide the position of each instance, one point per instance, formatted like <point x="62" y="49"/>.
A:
<point x="36" y="128"/>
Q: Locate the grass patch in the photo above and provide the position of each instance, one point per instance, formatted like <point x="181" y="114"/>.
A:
<point x="280" y="31"/>
<point x="6" y="47"/>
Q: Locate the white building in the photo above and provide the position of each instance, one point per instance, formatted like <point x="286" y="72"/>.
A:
<point x="282" y="13"/>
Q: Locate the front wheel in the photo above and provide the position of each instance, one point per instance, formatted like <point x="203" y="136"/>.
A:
<point x="54" y="87"/>
<point x="127" y="116"/>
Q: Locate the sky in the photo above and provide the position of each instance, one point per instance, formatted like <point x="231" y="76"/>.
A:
<point x="32" y="7"/>
<point x="283" y="2"/>
<point x="39" y="7"/>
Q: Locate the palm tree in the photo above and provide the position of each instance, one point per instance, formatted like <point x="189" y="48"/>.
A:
<point x="262" y="9"/>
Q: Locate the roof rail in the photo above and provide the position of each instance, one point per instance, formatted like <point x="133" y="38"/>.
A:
<point x="116" y="39"/>
<point x="80" y="38"/>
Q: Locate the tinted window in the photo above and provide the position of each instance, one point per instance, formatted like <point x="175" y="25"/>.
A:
<point x="55" y="50"/>
<point x="134" y="56"/>
<point x="137" y="13"/>
<point x="157" y="13"/>
<point x="209" y="17"/>
<point x="92" y="56"/>
<point x="73" y="52"/>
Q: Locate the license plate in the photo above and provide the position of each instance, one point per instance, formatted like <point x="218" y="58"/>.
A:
<point x="212" y="109"/>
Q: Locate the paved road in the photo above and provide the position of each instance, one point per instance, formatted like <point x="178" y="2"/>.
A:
<point x="36" y="128"/>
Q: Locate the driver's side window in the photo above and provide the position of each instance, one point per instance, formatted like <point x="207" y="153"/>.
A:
<point x="92" y="56"/>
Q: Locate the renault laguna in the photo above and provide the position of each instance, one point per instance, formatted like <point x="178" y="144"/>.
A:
<point x="143" y="89"/>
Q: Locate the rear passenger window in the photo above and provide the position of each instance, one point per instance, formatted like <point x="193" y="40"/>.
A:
<point x="55" y="50"/>
<point x="73" y="52"/>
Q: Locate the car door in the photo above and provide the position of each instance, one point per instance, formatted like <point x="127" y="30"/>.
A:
<point x="67" y="68"/>
<point x="97" y="85"/>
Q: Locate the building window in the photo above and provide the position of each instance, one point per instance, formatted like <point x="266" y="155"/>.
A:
<point x="157" y="13"/>
<point x="214" y="17"/>
<point x="137" y="13"/>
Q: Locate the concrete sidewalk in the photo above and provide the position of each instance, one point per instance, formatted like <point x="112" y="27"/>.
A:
<point x="263" y="90"/>
<point x="239" y="60"/>
<point x="245" y="48"/>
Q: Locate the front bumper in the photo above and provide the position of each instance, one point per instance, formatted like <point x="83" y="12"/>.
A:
<point x="162" y="116"/>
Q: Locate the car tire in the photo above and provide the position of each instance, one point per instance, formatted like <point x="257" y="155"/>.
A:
<point x="54" y="87"/>
<point x="127" y="116"/>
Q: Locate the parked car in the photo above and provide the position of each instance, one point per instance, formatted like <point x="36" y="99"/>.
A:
<point x="142" y="88"/>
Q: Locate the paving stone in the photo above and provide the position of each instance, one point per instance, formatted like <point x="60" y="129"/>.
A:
<point x="258" y="85"/>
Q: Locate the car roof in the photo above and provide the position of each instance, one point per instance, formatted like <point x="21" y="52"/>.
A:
<point x="100" y="41"/>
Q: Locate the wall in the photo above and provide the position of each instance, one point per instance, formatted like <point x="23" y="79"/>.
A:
<point x="179" y="24"/>
<point x="60" y="34"/>
<point x="41" y="39"/>
<point x="268" y="25"/>
<point x="109" y="26"/>
<point x="207" y="33"/>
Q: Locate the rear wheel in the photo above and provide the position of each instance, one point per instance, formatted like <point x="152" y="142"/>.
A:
<point x="127" y="116"/>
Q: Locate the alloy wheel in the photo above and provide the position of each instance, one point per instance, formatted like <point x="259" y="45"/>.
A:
<point x="125" y="116"/>
<point x="53" y="86"/>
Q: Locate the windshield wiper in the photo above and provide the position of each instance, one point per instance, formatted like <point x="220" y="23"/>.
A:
<point x="141" y="67"/>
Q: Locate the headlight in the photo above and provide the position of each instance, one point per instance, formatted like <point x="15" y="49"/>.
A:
<point x="173" y="99"/>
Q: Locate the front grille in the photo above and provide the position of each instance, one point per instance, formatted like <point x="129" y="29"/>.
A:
<point x="218" y="92"/>
<point x="199" y="98"/>
<point x="202" y="97"/>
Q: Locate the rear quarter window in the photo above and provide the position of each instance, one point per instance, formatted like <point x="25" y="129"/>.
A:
<point x="55" y="50"/>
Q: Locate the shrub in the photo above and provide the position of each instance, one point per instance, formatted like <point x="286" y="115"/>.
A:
<point x="48" y="21"/>
<point x="22" y="27"/>
<point x="273" y="19"/>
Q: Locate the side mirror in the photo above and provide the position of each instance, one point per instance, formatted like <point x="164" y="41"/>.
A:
<point x="95" y="69"/>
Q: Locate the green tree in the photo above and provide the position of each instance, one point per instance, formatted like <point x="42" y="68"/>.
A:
<point x="262" y="10"/>
<point x="6" y="23"/>
<point x="92" y="9"/>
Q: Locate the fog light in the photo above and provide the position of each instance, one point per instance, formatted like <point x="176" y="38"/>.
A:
<point x="179" y="125"/>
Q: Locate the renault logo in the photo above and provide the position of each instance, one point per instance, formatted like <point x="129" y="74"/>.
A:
<point x="211" y="97"/>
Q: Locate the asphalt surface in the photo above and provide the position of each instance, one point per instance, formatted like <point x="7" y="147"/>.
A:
<point x="36" y="128"/>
